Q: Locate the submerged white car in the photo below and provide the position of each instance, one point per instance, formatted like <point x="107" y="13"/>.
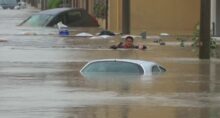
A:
<point x="122" y="66"/>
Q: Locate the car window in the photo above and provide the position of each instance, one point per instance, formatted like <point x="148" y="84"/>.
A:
<point x="38" y="20"/>
<point x="90" y="20"/>
<point x="59" y="18"/>
<point x="114" y="66"/>
<point x="73" y="18"/>
<point x="155" y="69"/>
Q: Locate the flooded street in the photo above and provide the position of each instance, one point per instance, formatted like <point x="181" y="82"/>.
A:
<point x="40" y="78"/>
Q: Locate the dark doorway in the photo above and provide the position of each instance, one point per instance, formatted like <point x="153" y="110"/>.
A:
<point x="217" y="17"/>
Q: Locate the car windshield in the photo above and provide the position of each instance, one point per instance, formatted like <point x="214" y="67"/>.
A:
<point x="113" y="67"/>
<point x="38" y="20"/>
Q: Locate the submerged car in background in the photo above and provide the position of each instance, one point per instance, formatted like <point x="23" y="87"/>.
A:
<point x="8" y="4"/>
<point x="21" y="5"/>
<point x="72" y="17"/>
<point x="122" y="66"/>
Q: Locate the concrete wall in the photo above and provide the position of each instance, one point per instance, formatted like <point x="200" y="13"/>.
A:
<point x="155" y="16"/>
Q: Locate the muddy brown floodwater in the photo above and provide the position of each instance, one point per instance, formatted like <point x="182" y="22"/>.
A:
<point x="39" y="77"/>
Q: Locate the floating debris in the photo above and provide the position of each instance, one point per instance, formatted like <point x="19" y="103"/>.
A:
<point x="162" y="43"/>
<point x="84" y="34"/>
<point x="102" y="37"/>
<point x="3" y="40"/>
<point x="106" y="32"/>
<point x="164" y="34"/>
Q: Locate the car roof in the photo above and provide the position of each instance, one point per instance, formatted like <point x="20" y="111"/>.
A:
<point x="140" y="62"/>
<point x="146" y="65"/>
<point x="8" y="2"/>
<point x="56" y="11"/>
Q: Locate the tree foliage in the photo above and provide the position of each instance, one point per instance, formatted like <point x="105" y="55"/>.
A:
<point x="196" y="39"/>
<point x="100" y="10"/>
<point x="54" y="3"/>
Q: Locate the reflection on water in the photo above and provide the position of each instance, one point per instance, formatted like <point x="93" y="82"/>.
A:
<point x="39" y="78"/>
<point x="57" y="89"/>
<point x="128" y="111"/>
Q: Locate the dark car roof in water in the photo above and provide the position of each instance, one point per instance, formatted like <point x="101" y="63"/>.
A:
<point x="56" y="11"/>
<point x="8" y="1"/>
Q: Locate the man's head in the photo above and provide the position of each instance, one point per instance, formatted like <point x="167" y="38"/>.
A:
<point x="129" y="41"/>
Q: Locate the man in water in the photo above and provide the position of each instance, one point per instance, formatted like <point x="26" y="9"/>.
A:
<point x="128" y="43"/>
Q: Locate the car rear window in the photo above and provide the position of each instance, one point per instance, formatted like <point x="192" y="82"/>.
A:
<point x="73" y="18"/>
<point x="114" y="67"/>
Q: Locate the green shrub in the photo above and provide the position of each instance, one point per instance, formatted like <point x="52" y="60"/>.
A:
<point x="196" y="39"/>
<point x="54" y="3"/>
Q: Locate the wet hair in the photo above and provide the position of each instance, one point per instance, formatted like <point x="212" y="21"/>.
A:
<point x="129" y="37"/>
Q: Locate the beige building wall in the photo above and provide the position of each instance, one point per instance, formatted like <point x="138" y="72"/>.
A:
<point x="115" y="15"/>
<point x="156" y="16"/>
<point x="82" y="4"/>
<point x="91" y="5"/>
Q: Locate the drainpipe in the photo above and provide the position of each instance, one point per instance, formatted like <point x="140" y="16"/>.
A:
<point x="204" y="52"/>
<point x="35" y="3"/>
<point x="46" y="4"/>
<point x="117" y="14"/>
<point x="126" y="16"/>
<point x="213" y="17"/>
<point x="42" y="4"/>
<point x="87" y="5"/>
<point x="106" y="15"/>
